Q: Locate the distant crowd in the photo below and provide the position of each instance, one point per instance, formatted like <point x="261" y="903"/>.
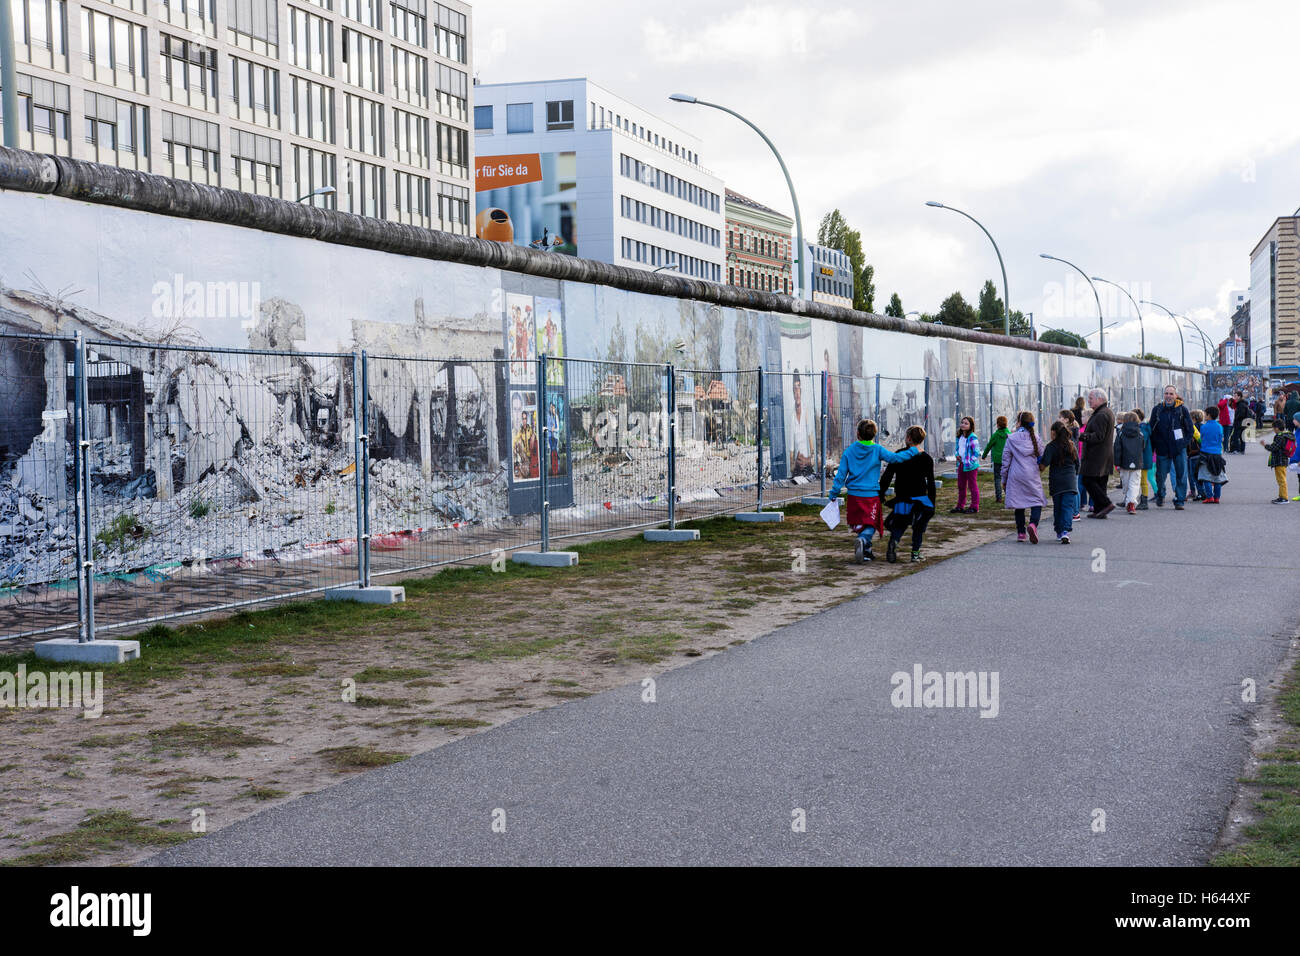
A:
<point x="1173" y="449"/>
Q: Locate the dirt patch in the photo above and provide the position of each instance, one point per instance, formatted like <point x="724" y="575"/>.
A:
<point x="231" y="716"/>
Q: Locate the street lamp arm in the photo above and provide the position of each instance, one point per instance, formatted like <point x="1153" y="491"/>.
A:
<point x="1006" y="294"/>
<point x="1101" y="344"/>
<point x="1141" y="326"/>
<point x="798" y="219"/>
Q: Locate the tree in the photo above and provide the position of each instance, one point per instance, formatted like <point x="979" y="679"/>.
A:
<point x="1020" y="325"/>
<point x="1060" y="337"/>
<point x="1152" y="357"/>
<point x="955" y="310"/>
<point x="895" y="307"/>
<point x="991" y="309"/>
<point x="835" y="233"/>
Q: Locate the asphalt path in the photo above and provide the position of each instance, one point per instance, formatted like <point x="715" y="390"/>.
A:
<point x="1119" y="702"/>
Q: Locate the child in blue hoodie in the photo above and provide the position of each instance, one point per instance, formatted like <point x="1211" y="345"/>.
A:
<point x="859" y="473"/>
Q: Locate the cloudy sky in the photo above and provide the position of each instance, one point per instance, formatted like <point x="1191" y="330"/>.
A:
<point x="1152" y="142"/>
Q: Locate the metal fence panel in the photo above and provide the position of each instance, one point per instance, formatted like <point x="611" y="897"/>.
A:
<point x="217" y="478"/>
<point x="791" y="436"/>
<point x="717" y="442"/>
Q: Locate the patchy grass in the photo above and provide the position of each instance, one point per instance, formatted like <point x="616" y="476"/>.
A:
<point x="1274" y="838"/>
<point x="274" y="669"/>
<point x="263" y="793"/>
<point x="457" y="723"/>
<point x="194" y="737"/>
<point x="106" y="740"/>
<point x="100" y="831"/>
<point x="379" y="675"/>
<point x="360" y="758"/>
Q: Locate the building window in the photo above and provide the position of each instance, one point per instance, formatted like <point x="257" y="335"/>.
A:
<point x="311" y="42"/>
<point x="366" y="12"/>
<point x="188" y="72"/>
<point x="365" y="124"/>
<point x="196" y="16"/>
<point x="453" y="151"/>
<point x="411" y="199"/>
<point x="453" y="208"/>
<point x="312" y="170"/>
<point x="363" y="60"/>
<point x="451" y="92"/>
<point x="191" y="149"/>
<point x="483" y="119"/>
<point x="449" y="33"/>
<point x="519" y="117"/>
<point x="255" y="93"/>
<point x="255" y="163"/>
<point x="44" y="117"/>
<point x="41" y="33"/>
<point x="410" y="77"/>
<point x="365" y="189"/>
<point x="313" y="109"/>
<point x="254" y="25"/>
<point x="117" y="131"/>
<point x="559" y="114"/>
<point x="114" y="51"/>
<point x="410" y="138"/>
<point x="408" y="21"/>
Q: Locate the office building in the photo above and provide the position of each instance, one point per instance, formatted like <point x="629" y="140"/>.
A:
<point x="1275" y="295"/>
<point x="828" y="273"/>
<point x="275" y="97"/>
<point x="569" y="166"/>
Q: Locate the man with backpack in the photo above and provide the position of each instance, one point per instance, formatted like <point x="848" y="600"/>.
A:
<point x="1171" y="429"/>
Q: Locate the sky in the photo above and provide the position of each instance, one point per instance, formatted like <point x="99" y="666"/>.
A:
<point x="1152" y="143"/>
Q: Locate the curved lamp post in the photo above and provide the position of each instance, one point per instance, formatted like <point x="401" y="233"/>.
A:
<point x="322" y="191"/>
<point x="1101" y="345"/>
<point x="1182" y="345"/>
<point x="1006" y="295"/>
<point x="668" y="265"/>
<point x="1141" y="326"/>
<point x="798" y="220"/>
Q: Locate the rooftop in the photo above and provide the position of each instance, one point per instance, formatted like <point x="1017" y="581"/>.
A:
<point x="733" y="196"/>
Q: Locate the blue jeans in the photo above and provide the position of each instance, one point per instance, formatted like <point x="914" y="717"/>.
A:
<point x="1211" y="490"/>
<point x="1035" y="513"/>
<point x="1083" y="495"/>
<point x="1179" y="482"/>
<point x="1064" y="505"/>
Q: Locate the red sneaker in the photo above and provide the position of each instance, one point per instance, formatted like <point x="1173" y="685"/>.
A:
<point x="1132" y="507"/>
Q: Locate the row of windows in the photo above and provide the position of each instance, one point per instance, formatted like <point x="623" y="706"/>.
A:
<point x="254" y="24"/>
<point x="773" y="248"/>
<point x="652" y="255"/>
<point x="760" y="280"/>
<point x="602" y="118"/>
<point x="671" y="222"/>
<point x="519" y="117"/>
<point x="666" y="182"/>
<point x="832" y="286"/>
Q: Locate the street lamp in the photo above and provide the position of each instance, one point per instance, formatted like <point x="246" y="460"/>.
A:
<point x="1181" y="344"/>
<point x="322" y="191"/>
<point x="674" y="265"/>
<point x="1141" y="326"/>
<point x="1101" y="345"/>
<point x="1006" y="295"/>
<point x="798" y="220"/>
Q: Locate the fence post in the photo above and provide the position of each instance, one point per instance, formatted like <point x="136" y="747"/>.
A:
<point x="358" y="465"/>
<point x="759" y="459"/>
<point x="543" y="457"/>
<point x="1040" y="404"/>
<point x="821" y="453"/>
<point x="992" y="423"/>
<point x="81" y="455"/>
<point x="938" y="439"/>
<point x="956" y="407"/>
<point x="363" y="476"/>
<point x="671" y="374"/>
<point x="877" y="414"/>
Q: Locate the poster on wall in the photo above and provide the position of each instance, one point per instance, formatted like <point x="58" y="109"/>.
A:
<point x="528" y="199"/>
<point x="533" y="326"/>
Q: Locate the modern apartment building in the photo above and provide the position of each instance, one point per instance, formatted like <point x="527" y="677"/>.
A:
<point x="569" y="166"/>
<point x="759" y="248"/>
<point x="1275" y="294"/>
<point x="276" y="97"/>
<point x="829" y="275"/>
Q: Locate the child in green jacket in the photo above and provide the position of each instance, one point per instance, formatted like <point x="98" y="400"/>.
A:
<point x="996" y="441"/>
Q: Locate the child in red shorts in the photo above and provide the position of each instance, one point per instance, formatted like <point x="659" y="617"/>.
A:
<point x="859" y="474"/>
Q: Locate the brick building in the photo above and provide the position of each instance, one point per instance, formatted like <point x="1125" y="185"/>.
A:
<point x="759" y="247"/>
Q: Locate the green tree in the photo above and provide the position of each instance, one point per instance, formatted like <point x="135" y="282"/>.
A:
<point x="835" y="233"/>
<point x="895" y="307"/>
<point x="955" y="310"/>
<point x="1061" y="337"/>
<point x="1152" y="357"/>
<point x="1019" y="324"/>
<point x="991" y="310"/>
<point x="868" y="290"/>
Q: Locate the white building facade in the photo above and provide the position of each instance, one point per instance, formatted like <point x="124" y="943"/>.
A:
<point x="609" y="181"/>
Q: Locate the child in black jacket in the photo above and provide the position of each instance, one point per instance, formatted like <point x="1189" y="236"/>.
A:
<point x="914" y="491"/>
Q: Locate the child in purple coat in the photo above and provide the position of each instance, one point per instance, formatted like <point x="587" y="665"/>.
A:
<point x="1022" y="484"/>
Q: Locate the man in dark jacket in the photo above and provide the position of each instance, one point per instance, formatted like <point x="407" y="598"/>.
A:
<point x="1171" y="429"/>
<point x="1291" y="408"/>
<point x="1098" y="453"/>
<point x="1240" y="412"/>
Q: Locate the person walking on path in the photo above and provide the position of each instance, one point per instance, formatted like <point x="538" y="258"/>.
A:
<point x="1279" y="450"/>
<point x="994" y="449"/>
<point x="1024" y="486"/>
<point x="1079" y="410"/>
<point x="1130" y="452"/>
<point x="1291" y="408"/>
<point x="859" y="472"/>
<point x="1194" y="454"/>
<point x="1171" y="430"/>
<point x="1061" y="459"/>
<point x="914" y="496"/>
<point x="1240" y="412"/>
<point x="1075" y="425"/>
<point x="1148" y="477"/>
<point x="1293" y="464"/>
<point x="968" y="466"/>
<point x="1098" y="459"/>
<point x="1213" y="470"/>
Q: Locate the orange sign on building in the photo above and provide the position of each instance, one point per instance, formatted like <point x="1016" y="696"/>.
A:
<point x="497" y="172"/>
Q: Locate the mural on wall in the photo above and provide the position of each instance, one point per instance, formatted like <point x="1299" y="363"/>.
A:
<point x="530" y="199"/>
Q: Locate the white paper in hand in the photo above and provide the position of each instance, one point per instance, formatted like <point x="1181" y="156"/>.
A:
<point x="831" y="514"/>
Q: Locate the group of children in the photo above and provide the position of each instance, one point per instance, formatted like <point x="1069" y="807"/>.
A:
<point x="1018" y="462"/>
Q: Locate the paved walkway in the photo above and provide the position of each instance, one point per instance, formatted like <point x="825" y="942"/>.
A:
<point x="1118" y="691"/>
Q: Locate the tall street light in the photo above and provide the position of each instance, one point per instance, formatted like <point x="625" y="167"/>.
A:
<point x="798" y="220"/>
<point x="1181" y="344"/>
<point x="1006" y="296"/>
<point x="1141" y="326"/>
<point x="1101" y="344"/>
<point x="320" y="191"/>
